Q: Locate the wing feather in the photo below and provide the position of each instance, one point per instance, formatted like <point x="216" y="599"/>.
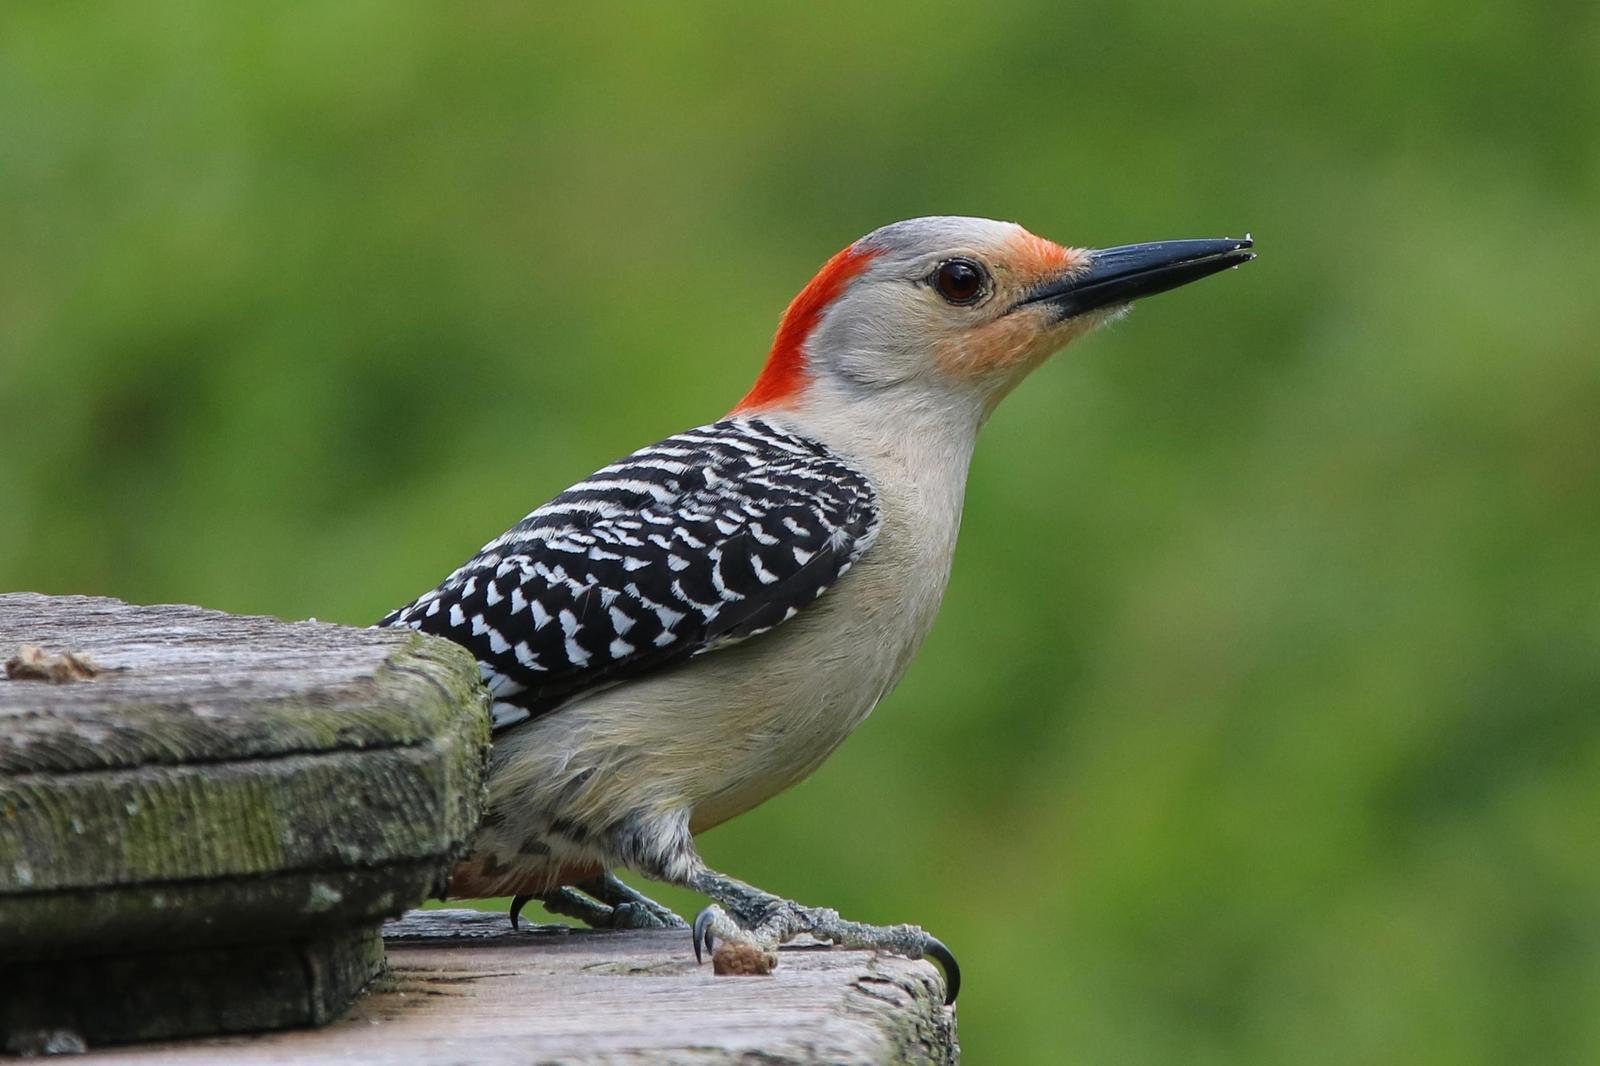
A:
<point x="706" y="539"/>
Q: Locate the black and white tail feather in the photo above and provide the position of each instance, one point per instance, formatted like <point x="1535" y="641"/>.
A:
<point x="707" y="538"/>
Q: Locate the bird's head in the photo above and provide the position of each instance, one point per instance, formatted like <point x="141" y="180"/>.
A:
<point x="961" y="307"/>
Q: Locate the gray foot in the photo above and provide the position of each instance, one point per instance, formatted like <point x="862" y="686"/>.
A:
<point x="631" y="909"/>
<point x="569" y="903"/>
<point x="745" y="913"/>
<point x="602" y="902"/>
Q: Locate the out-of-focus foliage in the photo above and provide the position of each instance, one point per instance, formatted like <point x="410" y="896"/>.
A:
<point x="1261" y="722"/>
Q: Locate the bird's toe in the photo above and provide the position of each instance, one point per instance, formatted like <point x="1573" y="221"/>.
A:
<point x="935" y="949"/>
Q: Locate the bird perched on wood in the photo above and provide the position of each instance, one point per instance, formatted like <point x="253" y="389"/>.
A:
<point x="695" y="627"/>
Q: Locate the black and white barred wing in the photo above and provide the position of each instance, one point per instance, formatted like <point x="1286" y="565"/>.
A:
<point x="710" y="537"/>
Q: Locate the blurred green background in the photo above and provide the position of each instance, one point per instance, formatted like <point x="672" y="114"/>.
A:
<point x="1261" y="722"/>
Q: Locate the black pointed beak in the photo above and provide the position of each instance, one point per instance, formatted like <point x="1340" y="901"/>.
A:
<point x="1120" y="275"/>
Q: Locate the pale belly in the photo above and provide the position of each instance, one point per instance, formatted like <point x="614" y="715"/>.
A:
<point x="684" y="750"/>
<point x="627" y="775"/>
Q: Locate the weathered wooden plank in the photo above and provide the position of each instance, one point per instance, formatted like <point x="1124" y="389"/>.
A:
<point x="235" y="817"/>
<point x="132" y="918"/>
<point x="208" y="797"/>
<point x="464" y="987"/>
<point x="153" y="995"/>
<point x="186" y="681"/>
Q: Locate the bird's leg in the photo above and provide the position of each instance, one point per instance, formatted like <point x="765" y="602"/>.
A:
<point x="745" y="913"/>
<point x="630" y="909"/>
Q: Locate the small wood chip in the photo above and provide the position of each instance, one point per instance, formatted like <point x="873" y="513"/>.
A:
<point x="33" y="663"/>
<point x="735" y="959"/>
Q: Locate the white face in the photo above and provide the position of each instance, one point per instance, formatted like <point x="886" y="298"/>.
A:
<point x="942" y="302"/>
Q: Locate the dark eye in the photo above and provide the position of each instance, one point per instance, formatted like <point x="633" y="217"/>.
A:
<point x="961" y="281"/>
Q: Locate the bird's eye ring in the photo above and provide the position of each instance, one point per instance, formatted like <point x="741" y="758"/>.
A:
<point x="960" y="281"/>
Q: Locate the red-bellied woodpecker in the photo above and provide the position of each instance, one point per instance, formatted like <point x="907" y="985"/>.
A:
<point x="695" y="627"/>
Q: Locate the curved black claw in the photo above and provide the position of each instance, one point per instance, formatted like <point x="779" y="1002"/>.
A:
<point x="702" y="933"/>
<point x="517" y="903"/>
<point x="947" y="962"/>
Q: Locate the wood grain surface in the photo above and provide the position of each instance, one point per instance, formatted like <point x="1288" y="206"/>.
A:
<point x="464" y="988"/>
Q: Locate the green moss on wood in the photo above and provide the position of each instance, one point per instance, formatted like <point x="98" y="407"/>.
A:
<point x="228" y="778"/>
